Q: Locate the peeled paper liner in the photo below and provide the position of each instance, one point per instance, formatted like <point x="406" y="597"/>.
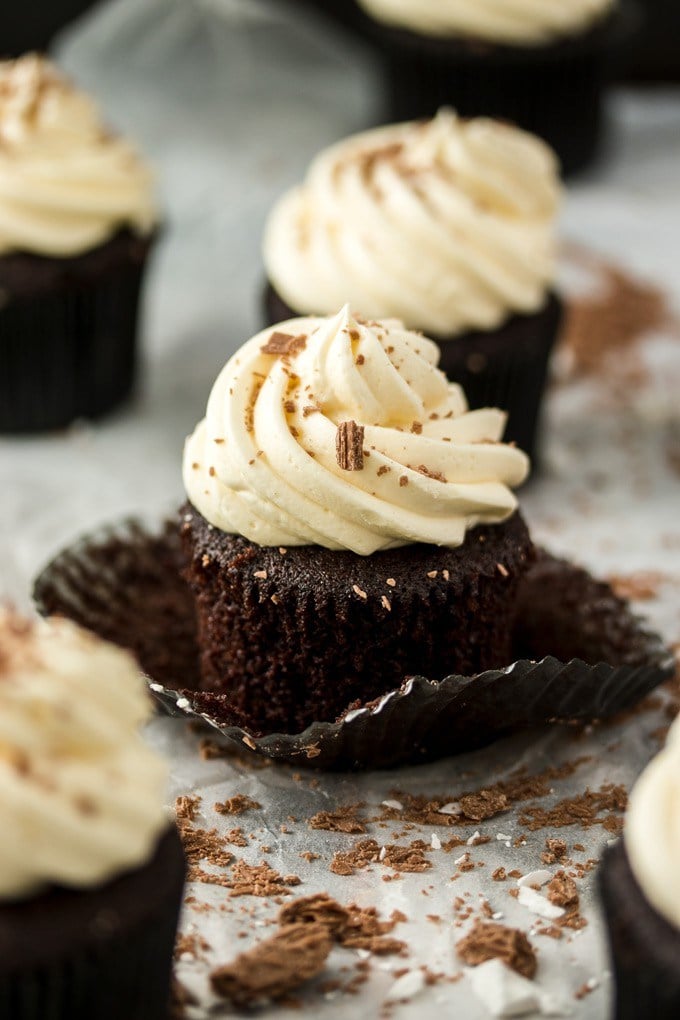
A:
<point x="123" y="583"/>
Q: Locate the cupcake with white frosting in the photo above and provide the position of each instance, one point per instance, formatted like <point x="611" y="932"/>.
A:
<point x="641" y="891"/>
<point x="350" y="522"/>
<point x="77" y="220"/>
<point x="448" y="225"/>
<point x="91" y="870"/>
<point x="539" y="65"/>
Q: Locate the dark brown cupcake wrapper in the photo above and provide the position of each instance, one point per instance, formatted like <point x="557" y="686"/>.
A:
<point x="123" y="582"/>
<point x="554" y="91"/>
<point x="644" y="946"/>
<point x="70" y="351"/>
<point x="105" y="953"/>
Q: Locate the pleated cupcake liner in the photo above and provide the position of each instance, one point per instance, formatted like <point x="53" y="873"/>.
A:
<point x="644" y="947"/>
<point x="123" y="583"/>
<point x="76" y="955"/>
<point x="69" y="353"/>
<point x="554" y="91"/>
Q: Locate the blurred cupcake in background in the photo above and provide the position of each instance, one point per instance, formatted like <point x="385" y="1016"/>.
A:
<point x="448" y="226"/>
<point x="91" y="866"/>
<point x="77" y="221"/>
<point x="640" y="887"/>
<point x="540" y="65"/>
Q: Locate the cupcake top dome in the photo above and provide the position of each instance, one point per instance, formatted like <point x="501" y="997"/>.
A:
<point x="515" y="22"/>
<point x="81" y="795"/>
<point x="652" y="829"/>
<point x="447" y="224"/>
<point x="343" y="433"/>
<point x="66" y="182"/>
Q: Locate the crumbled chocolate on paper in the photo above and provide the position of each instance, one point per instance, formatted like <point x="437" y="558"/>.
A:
<point x="562" y="891"/>
<point x="594" y="807"/>
<point x="489" y="941"/>
<point x="236" y="805"/>
<point x="555" y="850"/>
<point x="343" y="819"/>
<point x="275" y="966"/>
<point x="259" y="880"/>
<point x="410" y="858"/>
<point x="352" y="927"/>
<point x="349" y="446"/>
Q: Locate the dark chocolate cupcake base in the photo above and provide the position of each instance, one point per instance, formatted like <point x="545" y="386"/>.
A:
<point x="554" y="90"/>
<point x="124" y="583"/>
<point x="644" y="946"/>
<point x="72" y="954"/>
<point x="68" y="333"/>
<point x="506" y="367"/>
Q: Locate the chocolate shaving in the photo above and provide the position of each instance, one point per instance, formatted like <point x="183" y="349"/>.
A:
<point x="343" y="819"/>
<point x="236" y="805"/>
<point x="487" y="941"/>
<point x="353" y="927"/>
<point x="349" y="446"/>
<point x="276" y="966"/>
<point x="280" y="344"/>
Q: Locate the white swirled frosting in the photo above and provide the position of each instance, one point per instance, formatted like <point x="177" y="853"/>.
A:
<point x="264" y="462"/>
<point x="81" y="795"/>
<point x="516" y="22"/>
<point x="448" y="225"/>
<point x="66" y="183"/>
<point x="652" y="830"/>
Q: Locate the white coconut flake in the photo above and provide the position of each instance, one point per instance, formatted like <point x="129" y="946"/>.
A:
<point x="435" y="841"/>
<point x="503" y="992"/>
<point x="383" y="853"/>
<point x="406" y="987"/>
<point x="498" y="916"/>
<point x="538" y="904"/>
<point x="461" y="860"/>
<point x="501" y="837"/>
<point x="395" y="805"/>
<point x="449" y="809"/>
<point x="539" y="877"/>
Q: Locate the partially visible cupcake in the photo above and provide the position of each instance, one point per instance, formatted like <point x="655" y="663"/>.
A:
<point x="77" y="221"/>
<point x="91" y="871"/>
<point x="640" y="885"/>
<point x="540" y="65"/>
<point x="448" y="225"/>
<point x="350" y="523"/>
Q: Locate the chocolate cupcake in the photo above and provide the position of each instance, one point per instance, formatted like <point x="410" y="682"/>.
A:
<point x="446" y="225"/>
<point x="77" y="222"/>
<point x="641" y="893"/>
<point x="91" y="874"/>
<point x="542" y="66"/>
<point x="350" y="522"/>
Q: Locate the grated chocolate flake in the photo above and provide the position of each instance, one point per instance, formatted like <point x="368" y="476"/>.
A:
<point x="344" y="819"/>
<point x="280" y="344"/>
<point x="489" y="941"/>
<point x="429" y="473"/>
<point x="275" y="966"/>
<point x="349" y="446"/>
<point x="236" y="805"/>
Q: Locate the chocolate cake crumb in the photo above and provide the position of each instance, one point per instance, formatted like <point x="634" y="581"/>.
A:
<point x="259" y="880"/>
<point x="202" y="845"/>
<point x="490" y="941"/>
<point x="349" y="446"/>
<point x="477" y="807"/>
<point x="274" y="967"/>
<point x="499" y="875"/>
<point x="555" y="850"/>
<point x="343" y="819"/>
<point x="186" y="808"/>
<point x="585" y="809"/>
<point x="437" y="476"/>
<point x="353" y="927"/>
<point x="410" y="858"/>
<point x="190" y="944"/>
<point x="236" y="805"/>
<point x="562" y="891"/>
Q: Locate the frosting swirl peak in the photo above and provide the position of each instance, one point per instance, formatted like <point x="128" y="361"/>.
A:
<point x="343" y="433"/>
<point x="66" y="182"/>
<point x="447" y="225"/>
